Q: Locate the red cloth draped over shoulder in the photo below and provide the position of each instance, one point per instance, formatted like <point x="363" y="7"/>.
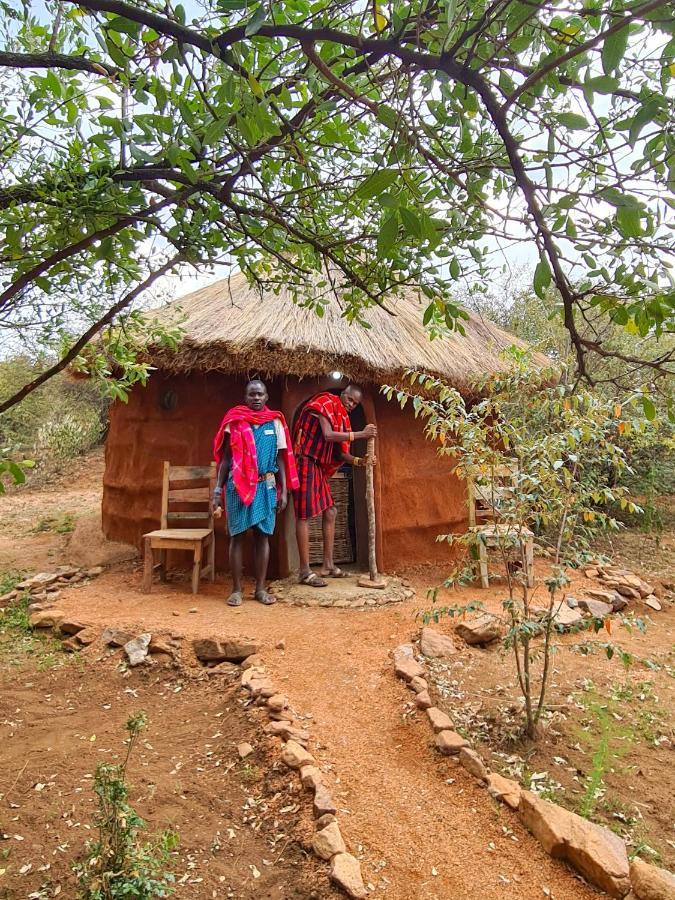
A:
<point x="241" y="420"/>
<point x="333" y="409"/>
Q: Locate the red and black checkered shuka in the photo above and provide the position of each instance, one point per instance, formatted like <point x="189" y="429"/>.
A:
<point x="317" y="459"/>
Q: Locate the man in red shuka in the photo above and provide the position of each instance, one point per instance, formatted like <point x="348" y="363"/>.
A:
<point x="321" y="439"/>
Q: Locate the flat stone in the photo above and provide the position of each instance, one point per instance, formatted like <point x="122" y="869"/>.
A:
<point x="418" y="684"/>
<point x="295" y="756"/>
<point x="71" y="626"/>
<point x="311" y="777"/>
<point x="261" y="687"/>
<point x="440" y="721"/>
<point x="650" y="882"/>
<point x="327" y="842"/>
<point x="277" y="702"/>
<point x="66" y="571"/>
<point x="598" y="594"/>
<point x="116" y="637"/>
<point x="47" y="618"/>
<point x="596" y="608"/>
<point x="345" y="871"/>
<point x="326" y="819"/>
<point x="323" y="802"/>
<point x="652" y="602"/>
<point x="286" y="730"/>
<point x="9" y="596"/>
<point x="38" y="607"/>
<point x="423" y="700"/>
<point x="223" y="668"/>
<point x="158" y="645"/>
<point x="280" y="645"/>
<point x="38" y="581"/>
<point x="137" y="649"/>
<point x="625" y="589"/>
<point x="86" y="636"/>
<point x="595" y="852"/>
<point x="94" y="571"/>
<point x="232" y="649"/>
<point x="450" y="743"/>
<point x="405" y="665"/>
<point x="564" y="615"/>
<point x="479" y="631"/>
<point x="436" y="645"/>
<point x="591" y="572"/>
<point x="473" y="764"/>
<point x="253" y="673"/>
<point x="244" y="749"/>
<point x="504" y="789"/>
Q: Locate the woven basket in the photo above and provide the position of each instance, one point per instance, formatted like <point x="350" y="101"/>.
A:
<point x="343" y="552"/>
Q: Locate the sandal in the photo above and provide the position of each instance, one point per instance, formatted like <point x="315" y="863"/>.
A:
<point x="265" y="598"/>
<point x="235" y="599"/>
<point x="335" y="572"/>
<point x="312" y="580"/>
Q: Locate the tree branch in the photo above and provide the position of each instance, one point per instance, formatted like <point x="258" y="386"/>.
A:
<point x="56" y="61"/>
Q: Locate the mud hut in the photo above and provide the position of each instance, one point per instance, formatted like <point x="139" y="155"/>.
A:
<point x="231" y="333"/>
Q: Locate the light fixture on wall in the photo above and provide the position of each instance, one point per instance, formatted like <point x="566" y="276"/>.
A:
<point x="336" y="376"/>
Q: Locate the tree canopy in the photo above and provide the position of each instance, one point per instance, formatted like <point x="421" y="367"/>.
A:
<point x="369" y="144"/>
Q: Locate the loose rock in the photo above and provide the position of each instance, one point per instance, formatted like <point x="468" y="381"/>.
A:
<point x="596" y="852"/>
<point x="652" y="602"/>
<point x="405" y="665"/>
<point x="85" y="637"/>
<point x="285" y="730"/>
<point x="327" y="842"/>
<point x="504" y="789"/>
<point x="473" y="764"/>
<point x="418" y="684"/>
<point x="436" y="645"/>
<point x="311" y="777"/>
<point x="450" y="743"/>
<point x="232" y="649"/>
<point x="480" y="631"/>
<point x="595" y="607"/>
<point x="116" y="637"/>
<point x="244" y="749"/>
<point x="423" y="700"/>
<point x="295" y="756"/>
<point x="650" y="882"/>
<point x="439" y="720"/>
<point x="251" y="661"/>
<point x="323" y="802"/>
<point x="277" y="702"/>
<point x="345" y="871"/>
<point x="137" y="649"/>
<point x="280" y="645"/>
<point x="47" y="618"/>
<point x="71" y="626"/>
<point x="325" y="820"/>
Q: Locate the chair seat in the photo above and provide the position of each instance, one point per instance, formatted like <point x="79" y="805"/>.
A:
<point x="179" y="534"/>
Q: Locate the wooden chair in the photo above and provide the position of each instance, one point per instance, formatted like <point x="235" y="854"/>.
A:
<point x="487" y="493"/>
<point x="199" y="540"/>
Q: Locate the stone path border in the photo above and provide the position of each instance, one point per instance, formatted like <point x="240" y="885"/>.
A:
<point x="327" y="843"/>
<point x="594" y="851"/>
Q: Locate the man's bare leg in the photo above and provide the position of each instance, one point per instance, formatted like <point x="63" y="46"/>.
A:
<point x="306" y="576"/>
<point x="328" y="530"/>
<point x="261" y="549"/>
<point x="236" y="568"/>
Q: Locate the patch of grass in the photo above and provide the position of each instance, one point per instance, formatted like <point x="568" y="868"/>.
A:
<point x="64" y="524"/>
<point x="9" y="578"/>
<point x="19" y="641"/>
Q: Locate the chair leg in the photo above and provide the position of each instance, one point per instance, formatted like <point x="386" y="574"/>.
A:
<point x="162" y="565"/>
<point x="212" y="558"/>
<point x="196" y="568"/>
<point x="482" y="563"/>
<point x="147" y="566"/>
<point x="529" y="561"/>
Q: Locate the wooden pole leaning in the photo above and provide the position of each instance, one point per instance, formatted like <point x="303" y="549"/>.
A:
<point x="373" y="579"/>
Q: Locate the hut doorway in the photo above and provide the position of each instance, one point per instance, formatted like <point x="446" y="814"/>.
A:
<point x="348" y="490"/>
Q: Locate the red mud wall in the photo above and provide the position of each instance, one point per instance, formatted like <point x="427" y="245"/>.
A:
<point x="418" y="496"/>
<point x="143" y="434"/>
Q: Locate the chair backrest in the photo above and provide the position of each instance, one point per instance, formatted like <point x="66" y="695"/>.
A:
<point x="190" y="488"/>
<point x="488" y="490"/>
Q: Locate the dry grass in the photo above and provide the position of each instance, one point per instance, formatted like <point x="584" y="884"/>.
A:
<point x="230" y="327"/>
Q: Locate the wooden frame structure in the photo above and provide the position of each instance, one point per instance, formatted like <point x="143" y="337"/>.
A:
<point x="201" y="541"/>
<point x="484" y="504"/>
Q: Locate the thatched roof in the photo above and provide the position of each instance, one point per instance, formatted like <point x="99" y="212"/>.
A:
<point x="229" y="327"/>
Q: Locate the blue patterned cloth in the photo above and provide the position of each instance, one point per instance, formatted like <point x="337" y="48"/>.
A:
<point x="261" y="514"/>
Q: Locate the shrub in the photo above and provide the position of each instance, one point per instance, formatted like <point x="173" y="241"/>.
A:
<point x="70" y="434"/>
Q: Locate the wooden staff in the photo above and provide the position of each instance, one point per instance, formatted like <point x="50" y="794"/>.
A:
<point x="374" y="580"/>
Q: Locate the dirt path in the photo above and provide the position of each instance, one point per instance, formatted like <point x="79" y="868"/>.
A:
<point x="423" y="828"/>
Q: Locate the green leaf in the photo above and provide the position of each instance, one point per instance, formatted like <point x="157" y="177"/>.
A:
<point x="214" y="131"/>
<point x="125" y="26"/>
<point x="613" y="49"/>
<point x="411" y="222"/>
<point x="628" y="221"/>
<point x="573" y="121"/>
<point x="455" y="269"/>
<point x="376" y="183"/>
<point x="256" y="21"/>
<point x="603" y="84"/>
<point x="649" y="409"/>
<point x="542" y="278"/>
<point x="388" y="235"/>
<point x="428" y="314"/>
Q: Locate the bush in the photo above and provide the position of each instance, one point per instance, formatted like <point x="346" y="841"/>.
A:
<point x="70" y="434"/>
